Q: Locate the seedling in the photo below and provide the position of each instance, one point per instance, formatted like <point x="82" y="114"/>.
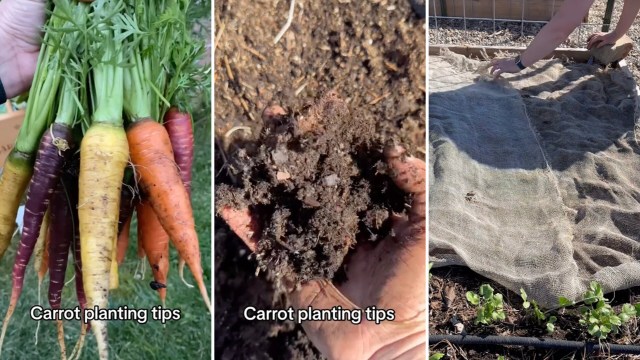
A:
<point x="489" y="305"/>
<point x="436" y="356"/>
<point x="598" y="315"/>
<point x="533" y="308"/>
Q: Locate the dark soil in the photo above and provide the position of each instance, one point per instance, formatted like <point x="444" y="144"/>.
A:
<point x="448" y="306"/>
<point x="318" y="182"/>
<point x="327" y="185"/>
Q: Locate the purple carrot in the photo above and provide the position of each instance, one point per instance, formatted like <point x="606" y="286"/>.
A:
<point x="52" y="152"/>
<point x="61" y="230"/>
<point x="180" y="130"/>
<point x="62" y="234"/>
<point x="126" y="206"/>
<point x="70" y="177"/>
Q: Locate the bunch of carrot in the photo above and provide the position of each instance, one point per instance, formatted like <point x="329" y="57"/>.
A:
<point x="103" y="138"/>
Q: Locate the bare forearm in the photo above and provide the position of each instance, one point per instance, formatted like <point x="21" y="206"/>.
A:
<point x="547" y="40"/>
<point x="629" y="13"/>
<point x="557" y="30"/>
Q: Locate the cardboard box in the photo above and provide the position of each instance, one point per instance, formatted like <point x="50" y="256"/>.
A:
<point x="10" y="122"/>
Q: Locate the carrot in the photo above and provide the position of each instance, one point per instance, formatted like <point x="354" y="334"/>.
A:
<point x="123" y="241"/>
<point x="77" y="265"/>
<point x="180" y="130"/>
<point x="124" y="222"/>
<point x="44" y="265"/>
<point x="104" y="154"/>
<point x="41" y="246"/>
<point x="39" y="255"/>
<point x="155" y="243"/>
<point x="151" y="151"/>
<point x="103" y="158"/>
<point x="18" y="167"/>
<point x="15" y="177"/>
<point x="62" y="234"/>
<point x="152" y="155"/>
<point x="52" y="149"/>
<point x="51" y="155"/>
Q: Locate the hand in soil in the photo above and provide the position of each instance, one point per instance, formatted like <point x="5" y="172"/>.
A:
<point x="389" y="274"/>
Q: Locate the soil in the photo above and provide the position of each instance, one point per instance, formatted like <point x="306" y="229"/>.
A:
<point x="318" y="182"/>
<point x="351" y="76"/>
<point x="450" y="313"/>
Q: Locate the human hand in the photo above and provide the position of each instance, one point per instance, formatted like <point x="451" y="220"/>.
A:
<point x="390" y="274"/>
<point x="21" y="24"/>
<point x="601" y="39"/>
<point x="499" y="66"/>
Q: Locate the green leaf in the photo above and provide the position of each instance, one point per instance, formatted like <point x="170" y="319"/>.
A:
<point x="598" y="291"/>
<point x="584" y="310"/>
<point x="500" y="357"/>
<point x="593" y="329"/>
<point x="473" y="298"/>
<point x="637" y="306"/>
<point x="526" y="304"/>
<point x="564" y="302"/>
<point x="627" y="312"/>
<point x="605" y="329"/>
<point x="523" y="295"/>
<point x="436" y="356"/>
<point x="624" y="318"/>
<point x="615" y="320"/>
<point x="553" y="319"/>
<point x="550" y="327"/>
<point x="589" y="298"/>
<point x="486" y="291"/>
<point x="539" y="314"/>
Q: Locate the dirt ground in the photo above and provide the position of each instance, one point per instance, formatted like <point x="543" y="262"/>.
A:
<point x="371" y="54"/>
<point x="448" y="286"/>
<point x="448" y="306"/>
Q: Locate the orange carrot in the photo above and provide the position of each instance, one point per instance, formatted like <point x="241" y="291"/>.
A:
<point x="44" y="265"/>
<point x="155" y="243"/>
<point x="152" y="156"/>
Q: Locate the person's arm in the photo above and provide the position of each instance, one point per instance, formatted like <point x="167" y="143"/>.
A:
<point x="568" y="18"/>
<point x="629" y="13"/>
<point x="630" y="10"/>
<point x="553" y="34"/>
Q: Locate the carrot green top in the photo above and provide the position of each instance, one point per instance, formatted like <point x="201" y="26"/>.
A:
<point x="145" y="76"/>
<point x="106" y="59"/>
<point x="61" y="36"/>
<point x="162" y="58"/>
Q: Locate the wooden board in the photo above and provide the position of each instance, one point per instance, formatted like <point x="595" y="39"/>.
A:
<point x="536" y="10"/>
<point x="579" y="55"/>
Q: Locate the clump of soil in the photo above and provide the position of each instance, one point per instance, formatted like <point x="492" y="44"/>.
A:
<point x="317" y="181"/>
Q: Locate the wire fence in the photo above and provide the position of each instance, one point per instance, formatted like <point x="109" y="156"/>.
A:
<point x="502" y="22"/>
